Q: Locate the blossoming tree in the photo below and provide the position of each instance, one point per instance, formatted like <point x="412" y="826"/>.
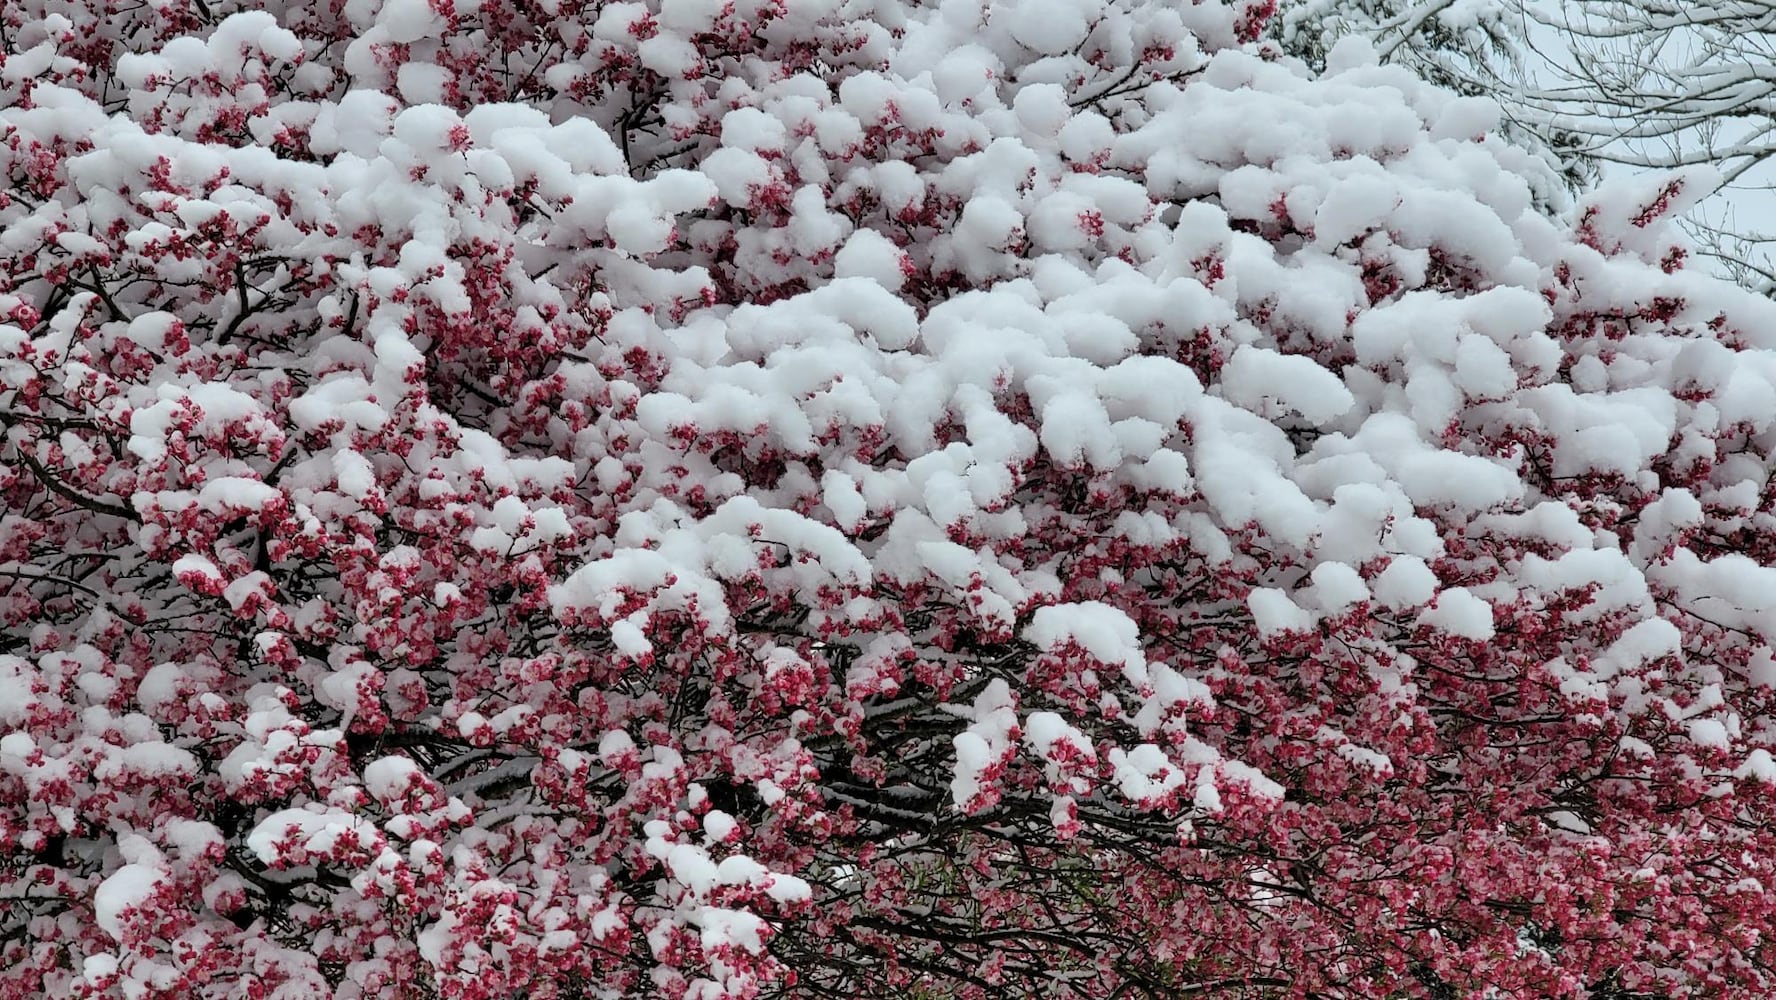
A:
<point x="854" y="498"/>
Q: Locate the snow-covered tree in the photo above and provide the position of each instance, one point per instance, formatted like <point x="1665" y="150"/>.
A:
<point x="1461" y="45"/>
<point x="1601" y="86"/>
<point x="1473" y="47"/>
<point x="1657" y="84"/>
<point x="855" y="498"/>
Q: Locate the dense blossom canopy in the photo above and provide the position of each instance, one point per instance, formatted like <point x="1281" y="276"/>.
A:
<point x="855" y="498"/>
